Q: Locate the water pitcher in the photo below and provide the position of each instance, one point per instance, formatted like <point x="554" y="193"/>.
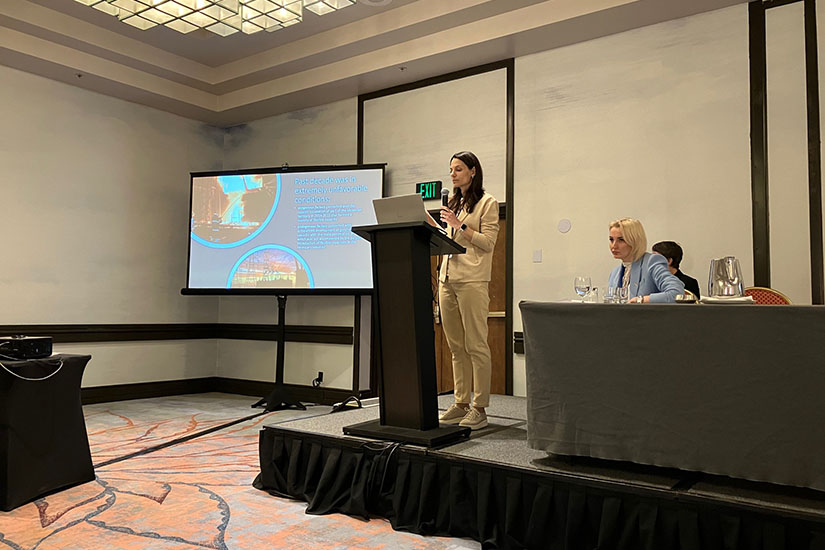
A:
<point x="725" y="277"/>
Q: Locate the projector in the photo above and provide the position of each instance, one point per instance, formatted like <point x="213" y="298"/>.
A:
<point x="25" y="347"/>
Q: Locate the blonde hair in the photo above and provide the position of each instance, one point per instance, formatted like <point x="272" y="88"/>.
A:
<point x="633" y="234"/>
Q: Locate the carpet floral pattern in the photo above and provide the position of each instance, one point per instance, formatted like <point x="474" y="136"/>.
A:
<point x="189" y="495"/>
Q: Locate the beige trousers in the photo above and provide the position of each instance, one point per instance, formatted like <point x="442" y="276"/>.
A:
<point x="464" y="309"/>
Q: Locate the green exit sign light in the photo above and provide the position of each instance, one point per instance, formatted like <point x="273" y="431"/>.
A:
<point x="429" y="189"/>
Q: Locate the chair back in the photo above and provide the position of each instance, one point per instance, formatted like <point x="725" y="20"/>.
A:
<point x="767" y="296"/>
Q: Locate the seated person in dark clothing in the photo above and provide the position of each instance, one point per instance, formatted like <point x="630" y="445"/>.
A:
<point x="673" y="253"/>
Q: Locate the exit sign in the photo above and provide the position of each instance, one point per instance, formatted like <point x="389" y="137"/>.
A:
<point x="429" y="189"/>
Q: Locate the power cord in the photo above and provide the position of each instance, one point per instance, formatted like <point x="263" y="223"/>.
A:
<point x="380" y="464"/>
<point x="316" y="383"/>
<point x="434" y="291"/>
<point x="351" y="402"/>
<point x="387" y="467"/>
<point x="5" y="368"/>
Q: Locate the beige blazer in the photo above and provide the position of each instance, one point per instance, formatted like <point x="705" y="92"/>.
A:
<point x="477" y="263"/>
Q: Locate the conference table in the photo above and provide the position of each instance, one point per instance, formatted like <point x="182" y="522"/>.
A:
<point x="43" y="442"/>
<point x="735" y="390"/>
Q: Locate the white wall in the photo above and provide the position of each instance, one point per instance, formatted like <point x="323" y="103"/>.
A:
<point x="788" y="153"/>
<point x="134" y="362"/>
<point x="96" y="198"/>
<point x="653" y="124"/>
<point x="416" y="132"/>
<point x="318" y="136"/>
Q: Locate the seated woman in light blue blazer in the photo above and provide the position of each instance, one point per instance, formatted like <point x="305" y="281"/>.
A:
<point x="645" y="275"/>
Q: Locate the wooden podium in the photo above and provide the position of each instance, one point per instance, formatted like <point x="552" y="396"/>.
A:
<point x="405" y="337"/>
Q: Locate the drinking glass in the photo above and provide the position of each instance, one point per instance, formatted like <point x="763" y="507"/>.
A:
<point x="622" y="294"/>
<point x="592" y="296"/>
<point x="610" y="295"/>
<point x="582" y="286"/>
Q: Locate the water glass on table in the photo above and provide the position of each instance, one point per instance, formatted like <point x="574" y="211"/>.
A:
<point x="610" y="295"/>
<point x="622" y="294"/>
<point x="592" y="296"/>
<point x="582" y="286"/>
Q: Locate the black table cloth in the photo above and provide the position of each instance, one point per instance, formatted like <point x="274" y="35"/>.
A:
<point x="43" y="441"/>
<point x="725" y="389"/>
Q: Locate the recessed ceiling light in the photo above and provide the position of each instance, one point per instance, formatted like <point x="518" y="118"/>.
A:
<point x="222" y="17"/>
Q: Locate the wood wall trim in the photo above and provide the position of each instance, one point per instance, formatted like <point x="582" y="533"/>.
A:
<point x="77" y="333"/>
<point x="759" y="144"/>
<point x="814" y="154"/>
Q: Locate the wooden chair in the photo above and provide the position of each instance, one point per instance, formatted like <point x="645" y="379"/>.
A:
<point x="767" y="296"/>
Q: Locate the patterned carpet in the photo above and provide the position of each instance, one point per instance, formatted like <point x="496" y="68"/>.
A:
<point x="192" y="494"/>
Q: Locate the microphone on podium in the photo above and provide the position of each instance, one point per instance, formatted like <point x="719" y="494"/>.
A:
<point x="445" y="194"/>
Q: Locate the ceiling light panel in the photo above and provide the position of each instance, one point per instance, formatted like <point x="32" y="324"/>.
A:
<point x="222" y="17"/>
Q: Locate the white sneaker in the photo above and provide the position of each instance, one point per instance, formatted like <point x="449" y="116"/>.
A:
<point x="454" y="414"/>
<point x="474" y="420"/>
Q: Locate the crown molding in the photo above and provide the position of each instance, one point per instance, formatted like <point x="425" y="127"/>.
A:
<point x="425" y="37"/>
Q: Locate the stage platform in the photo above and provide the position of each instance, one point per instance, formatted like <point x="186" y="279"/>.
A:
<point x="493" y="488"/>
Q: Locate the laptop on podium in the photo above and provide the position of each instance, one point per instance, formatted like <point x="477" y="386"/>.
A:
<point x="400" y="209"/>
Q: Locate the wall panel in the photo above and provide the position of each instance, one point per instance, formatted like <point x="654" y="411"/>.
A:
<point x="651" y="123"/>
<point x="97" y="195"/>
<point x="322" y="135"/>
<point x="415" y="132"/>
<point x="787" y="153"/>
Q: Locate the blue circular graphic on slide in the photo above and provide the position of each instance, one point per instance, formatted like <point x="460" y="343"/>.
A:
<point x="270" y="266"/>
<point x="230" y="210"/>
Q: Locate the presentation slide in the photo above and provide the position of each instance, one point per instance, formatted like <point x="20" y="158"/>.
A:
<point x="282" y="230"/>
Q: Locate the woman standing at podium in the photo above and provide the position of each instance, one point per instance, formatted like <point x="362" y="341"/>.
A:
<point x="471" y="216"/>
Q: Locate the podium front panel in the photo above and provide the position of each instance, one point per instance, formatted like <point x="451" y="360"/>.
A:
<point x="404" y="295"/>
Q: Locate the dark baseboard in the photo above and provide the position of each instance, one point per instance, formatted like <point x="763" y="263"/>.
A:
<point x="292" y="333"/>
<point x="252" y="388"/>
<point x="125" y="392"/>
